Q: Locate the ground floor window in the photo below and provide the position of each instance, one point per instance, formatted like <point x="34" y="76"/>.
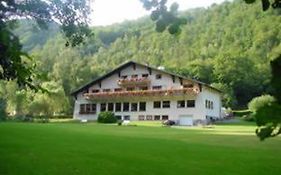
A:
<point x="149" y="117"/>
<point x="181" y="104"/>
<point x="82" y="109"/>
<point x="190" y="103"/>
<point x="119" y="117"/>
<point x="134" y="106"/>
<point x="88" y="108"/>
<point x="157" y="104"/>
<point x="117" y="107"/>
<point x="142" y="106"/>
<point x="166" y="104"/>
<point x="110" y="107"/>
<point x="141" y="117"/>
<point x="165" y="117"/>
<point x="157" y="117"/>
<point x="126" y="117"/>
<point x="103" y="107"/>
<point x="126" y="106"/>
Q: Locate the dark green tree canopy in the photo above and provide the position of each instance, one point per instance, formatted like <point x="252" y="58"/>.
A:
<point x="72" y="16"/>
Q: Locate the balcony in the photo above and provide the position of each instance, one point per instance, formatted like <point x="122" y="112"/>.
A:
<point x="144" y="81"/>
<point x="141" y="93"/>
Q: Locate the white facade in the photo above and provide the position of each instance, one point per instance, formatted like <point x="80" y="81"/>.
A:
<point x="201" y="104"/>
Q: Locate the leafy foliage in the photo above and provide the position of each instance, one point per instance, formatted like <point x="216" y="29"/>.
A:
<point x="3" y="113"/>
<point x="107" y="117"/>
<point x="164" y="18"/>
<point x="259" y="102"/>
<point x="267" y="3"/>
<point x="72" y="15"/>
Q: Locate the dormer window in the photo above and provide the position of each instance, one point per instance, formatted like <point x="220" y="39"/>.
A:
<point x="106" y="90"/>
<point x="130" y="88"/>
<point x="144" y="75"/>
<point x="118" y="89"/>
<point x="156" y="87"/>
<point x="135" y="76"/>
<point x="95" y="91"/>
<point x="188" y="86"/>
<point x="158" y="76"/>
<point x="143" y="88"/>
<point x="124" y="76"/>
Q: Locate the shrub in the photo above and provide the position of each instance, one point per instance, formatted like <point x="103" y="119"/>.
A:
<point x="107" y="117"/>
<point x="259" y="102"/>
<point x="248" y="117"/>
<point x="3" y="114"/>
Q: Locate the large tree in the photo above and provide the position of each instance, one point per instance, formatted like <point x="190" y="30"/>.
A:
<point x="72" y="15"/>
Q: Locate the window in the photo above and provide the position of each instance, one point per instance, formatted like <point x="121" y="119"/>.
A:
<point x="157" y="104"/>
<point x="126" y="117"/>
<point x="149" y="117"/>
<point x="156" y="87"/>
<point x="209" y="104"/>
<point x="188" y="86"/>
<point x="94" y="108"/>
<point x="144" y="88"/>
<point x="165" y="117"/>
<point x="144" y="75"/>
<point x="117" y="107"/>
<point x="118" y="117"/>
<point x="130" y="88"/>
<point x="166" y="104"/>
<point x="206" y="104"/>
<point x="103" y="107"/>
<point x="158" y="76"/>
<point x="126" y="106"/>
<point x="212" y="105"/>
<point x="157" y="117"/>
<point x="118" y="89"/>
<point x="88" y="108"/>
<point x="190" y="103"/>
<point x="141" y="117"/>
<point x="124" y="76"/>
<point x="181" y="104"/>
<point x="110" y="107"/>
<point x="134" y="106"/>
<point x="95" y="91"/>
<point x="82" y="108"/>
<point x="106" y="90"/>
<point x="134" y="76"/>
<point x="142" y="106"/>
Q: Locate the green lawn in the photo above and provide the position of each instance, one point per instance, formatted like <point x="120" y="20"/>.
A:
<point x="75" y="148"/>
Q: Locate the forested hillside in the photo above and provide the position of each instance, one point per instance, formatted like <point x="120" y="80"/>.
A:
<point x="227" y="45"/>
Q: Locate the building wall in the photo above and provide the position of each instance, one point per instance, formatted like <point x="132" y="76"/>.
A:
<point x="199" y="112"/>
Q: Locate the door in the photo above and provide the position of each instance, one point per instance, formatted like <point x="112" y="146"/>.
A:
<point x="186" y="120"/>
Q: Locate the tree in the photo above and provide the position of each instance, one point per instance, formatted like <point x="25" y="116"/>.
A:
<point x="266" y="3"/>
<point x="72" y="16"/>
<point x="163" y="17"/>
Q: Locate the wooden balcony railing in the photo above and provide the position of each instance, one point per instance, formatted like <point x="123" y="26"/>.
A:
<point x="141" y="93"/>
<point x="133" y="81"/>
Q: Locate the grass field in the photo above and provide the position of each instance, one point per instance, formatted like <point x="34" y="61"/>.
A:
<point x="74" y="148"/>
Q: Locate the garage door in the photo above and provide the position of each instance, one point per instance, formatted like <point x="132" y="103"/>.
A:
<point x="186" y="120"/>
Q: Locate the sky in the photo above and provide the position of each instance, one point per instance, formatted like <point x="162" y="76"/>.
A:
<point x="106" y="12"/>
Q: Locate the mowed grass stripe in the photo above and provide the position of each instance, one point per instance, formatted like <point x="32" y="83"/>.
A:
<point x="106" y="149"/>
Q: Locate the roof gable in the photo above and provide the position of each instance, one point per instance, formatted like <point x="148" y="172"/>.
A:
<point x="127" y="64"/>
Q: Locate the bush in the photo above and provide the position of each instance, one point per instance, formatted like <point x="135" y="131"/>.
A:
<point x="107" y="117"/>
<point x="3" y="114"/>
<point x="248" y="118"/>
<point x="259" y="102"/>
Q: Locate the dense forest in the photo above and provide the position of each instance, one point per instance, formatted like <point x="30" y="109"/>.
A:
<point x="228" y="46"/>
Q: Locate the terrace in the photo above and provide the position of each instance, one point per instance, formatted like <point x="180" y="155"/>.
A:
<point x="141" y="93"/>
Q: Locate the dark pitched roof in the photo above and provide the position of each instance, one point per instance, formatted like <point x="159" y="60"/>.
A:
<point x="126" y="64"/>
